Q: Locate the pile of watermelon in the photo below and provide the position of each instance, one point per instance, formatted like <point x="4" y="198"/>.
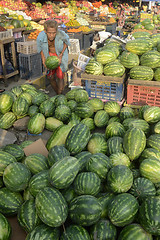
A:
<point x="140" y="57"/>
<point x="100" y="179"/>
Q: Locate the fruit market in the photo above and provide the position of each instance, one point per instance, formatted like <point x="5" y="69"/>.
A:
<point x="79" y="120"/>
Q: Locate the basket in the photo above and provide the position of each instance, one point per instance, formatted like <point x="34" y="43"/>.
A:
<point x="143" y="92"/>
<point x="74" y="48"/>
<point x="104" y="87"/>
<point x="28" y="47"/>
<point x="6" y="34"/>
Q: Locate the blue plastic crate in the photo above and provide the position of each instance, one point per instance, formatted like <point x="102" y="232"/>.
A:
<point x="110" y="89"/>
<point x="30" y="66"/>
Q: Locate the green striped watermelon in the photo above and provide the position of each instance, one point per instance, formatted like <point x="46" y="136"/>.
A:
<point x="149" y="215"/>
<point x="7" y="120"/>
<point x="85" y="210"/>
<point x="100" y="164"/>
<point x="101" y="118"/>
<point x="114" y="129"/>
<point x="73" y="232"/>
<point x="5" y="228"/>
<point x="72" y="104"/>
<point x="59" y="136"/>
<point x="27" y="195"/>
<point x="56" y="153"/>
<point x="20" y="107"/>
<point x="157" y="74"/>
<point x="97" y="144"/>
<point x="106" y="56"/>
<point x="103" y="229"/>
<point x="17" y="90"/>
<point x="63" y="172"/>
<point x="142" y="188"/>
<point x="150" y="168"/>
<point x="33" y="109"/>
<point x="150" y="59"/>
<point x="157" y="128"/>
<point x="62" y="113"/>
<point x="43" y="232"/>
<point x="15" y="150"/>
<point x="77" y="138"/>
<point x="60" y="100"/>
<point x="39" y="98"/>
<point x="115" y="69"/>
<point x="94" y="67"/>
<point x="114" y="145"/>
<point x="141" y="73"/>
<point x="119" y="158"/>
<point x="150" y="153"/>
<point x="134" y="143"/>
<point x="119" y="179"/>
<point x="51" y="207"/>
<point x="27" y="97"/>
<point x="87" y="183"/>
<point x="9" y="201"/>
<point x="27" y="215"/>
<point x="36" y="123"/>
<point x="83" y="158"/>
<point x="104" y="199"/>
<point x="81" y="96"/>
<point x="128" y="204"/>
<point x="112" y="108"/>
<point x="126" y="112"/>
<point x="89" y="122"/>
<point x="97" y="104"/>
<point x="84" y="110"/>
<point x="52" y="123"/>
<point x="36" y="162"/>
<point x="154" y="141"/>
<point x="129" y="60"/>
<point x="39" y="181"/>
<point x="16" y="176"/>
<point x="134" y="231"/>
<point x="6" y="102"/>
<point x="47" y="108"/>
<point x="69" y="193"/>
<point x="141" y="111"/>
<point x="5" y="160"/>
<point x="138" y="46"/>
<point x="114" y="119"/>
<point x="152" y="114"/>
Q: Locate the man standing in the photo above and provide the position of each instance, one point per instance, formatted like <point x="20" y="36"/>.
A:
<point x="54" y="42"/>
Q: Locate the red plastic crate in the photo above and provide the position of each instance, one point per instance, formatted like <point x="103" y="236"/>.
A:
<point x="143" y="92"/>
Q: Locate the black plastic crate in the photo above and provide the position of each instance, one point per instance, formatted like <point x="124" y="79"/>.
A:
<point x="30" y="65"/>
<point x="111" y="28"/>
<point x="87" y="40"/>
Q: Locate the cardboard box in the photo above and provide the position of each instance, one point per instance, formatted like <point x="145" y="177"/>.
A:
<point x="36" y="147"/>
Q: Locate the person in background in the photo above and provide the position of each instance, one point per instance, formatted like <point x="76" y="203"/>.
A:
<point x="54" y="42"/>
<point x="120" y="16"/>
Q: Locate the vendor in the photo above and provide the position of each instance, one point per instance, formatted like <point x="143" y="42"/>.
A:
<point x="120" y="16"/>
<point x="54" y="42"/>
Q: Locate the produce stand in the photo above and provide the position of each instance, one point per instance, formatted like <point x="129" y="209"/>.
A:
<point x="143" y="92"/>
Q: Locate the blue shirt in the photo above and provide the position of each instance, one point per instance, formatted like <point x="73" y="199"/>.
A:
<point x="60" y="39"/>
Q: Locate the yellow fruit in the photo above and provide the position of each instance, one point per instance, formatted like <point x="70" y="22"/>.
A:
<point x="20" y="17"/>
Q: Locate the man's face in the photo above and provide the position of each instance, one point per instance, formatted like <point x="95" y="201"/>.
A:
<point x="51" y="33"/>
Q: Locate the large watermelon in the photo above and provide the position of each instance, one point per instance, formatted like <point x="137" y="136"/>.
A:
<point x="52" y="62"/>
<point x="129" y="60"/>
<point x="138" y="46"/>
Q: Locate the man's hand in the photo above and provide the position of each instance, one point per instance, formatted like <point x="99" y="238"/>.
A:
<point x="60" y="58"/>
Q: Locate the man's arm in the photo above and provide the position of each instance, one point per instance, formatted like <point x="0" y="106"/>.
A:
<point x="61" y="54"/>
<point x="43" y="58"/>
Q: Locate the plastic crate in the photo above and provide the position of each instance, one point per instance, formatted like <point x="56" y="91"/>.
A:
<point x="87" y="40"/>
<point x="28" y="47"/>
<point x="143" y="92"/>
<point x="78" y="36"/>
<point x="30" y="65"/>
<point x="74" y="48"/>
<point x="104" y="87"/>
<point x="6" y="34"/>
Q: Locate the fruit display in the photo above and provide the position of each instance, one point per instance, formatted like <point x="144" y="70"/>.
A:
<point x="34" y="34"/>
<point x="14" y="5"/>
<point x="88" y="177"/>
